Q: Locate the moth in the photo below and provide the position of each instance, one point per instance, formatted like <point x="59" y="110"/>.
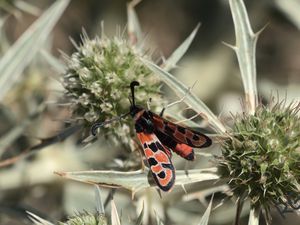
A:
<point x="159" y="137"/>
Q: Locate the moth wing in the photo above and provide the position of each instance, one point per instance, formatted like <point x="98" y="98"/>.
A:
<point x="181" y="134"/>
<point x="181" y="149"/>
<point x="159" y="160"/>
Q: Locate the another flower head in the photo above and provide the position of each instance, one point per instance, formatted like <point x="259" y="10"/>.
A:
<point x="261" y="159"/>
<point x="97" y="83"/>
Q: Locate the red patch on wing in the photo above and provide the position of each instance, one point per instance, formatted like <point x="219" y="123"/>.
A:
<point x="159" y="160"/>
<point x="181" y="134"/>
<point x="185" y="151"/>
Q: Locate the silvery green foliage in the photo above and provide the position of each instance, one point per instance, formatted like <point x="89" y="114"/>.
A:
<point x="97" y="83"/>
<point x="22" y="52"/>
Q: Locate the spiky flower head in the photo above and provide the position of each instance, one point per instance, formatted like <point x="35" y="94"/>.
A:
<point x="262" y="158"/>
<point x="97" y="83"/>
<point x="86" y="218"/>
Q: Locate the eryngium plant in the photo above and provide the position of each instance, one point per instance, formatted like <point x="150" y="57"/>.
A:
<point x="261" y="158"/>
<point x="97" y="83"/>
<point x="86" y="218"/>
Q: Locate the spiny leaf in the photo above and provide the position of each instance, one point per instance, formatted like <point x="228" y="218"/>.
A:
<point x="172" y="61"/>
<point x="25" y="48"/>
<point x="137" y="180"/>
<point x="245" y="50"/>
<point x="181" y="90"/>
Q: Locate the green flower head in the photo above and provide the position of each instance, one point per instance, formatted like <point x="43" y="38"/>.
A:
<point x="97" y="83"/>
<point x="261" y="160"/>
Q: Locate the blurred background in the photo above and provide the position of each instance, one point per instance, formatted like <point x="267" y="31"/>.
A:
<point x="30" y="111"/>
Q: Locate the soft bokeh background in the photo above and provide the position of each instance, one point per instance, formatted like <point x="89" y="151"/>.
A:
<point x="30" y="184"/>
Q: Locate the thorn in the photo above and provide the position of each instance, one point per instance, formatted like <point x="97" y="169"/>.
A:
<point x="261" y="30"/>
<point x="230" y="46"/>
<point x="198" y="25"/>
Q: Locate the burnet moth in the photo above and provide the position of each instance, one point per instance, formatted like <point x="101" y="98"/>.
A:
<point x="158" y="137"/>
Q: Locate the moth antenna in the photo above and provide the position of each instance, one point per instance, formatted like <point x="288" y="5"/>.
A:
<point x="130" y="101"/>
<point x="94" y="128"/>
<point x="97" y="125"/>
<point x="132" y="85"/>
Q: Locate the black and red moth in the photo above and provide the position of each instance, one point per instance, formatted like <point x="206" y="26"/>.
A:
<point x="158" y="137"/>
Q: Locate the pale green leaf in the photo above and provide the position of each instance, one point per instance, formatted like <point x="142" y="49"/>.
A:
<point x="25" y="48"/>
<point x="137" y="180"/>
<point x="133" y="181"/>
<point x="172" y="61"/>
<point x="196" y="175"/>
<point x="181" y="90"/>
<point x="245" y="49"/>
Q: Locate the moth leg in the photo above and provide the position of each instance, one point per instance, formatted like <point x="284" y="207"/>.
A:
<point x="142" y="160"/>
<point x="178" y="101"/>
<point x="149" y="103"/>
<point x="188" y="119"/>
<point x="186" y="168"/>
